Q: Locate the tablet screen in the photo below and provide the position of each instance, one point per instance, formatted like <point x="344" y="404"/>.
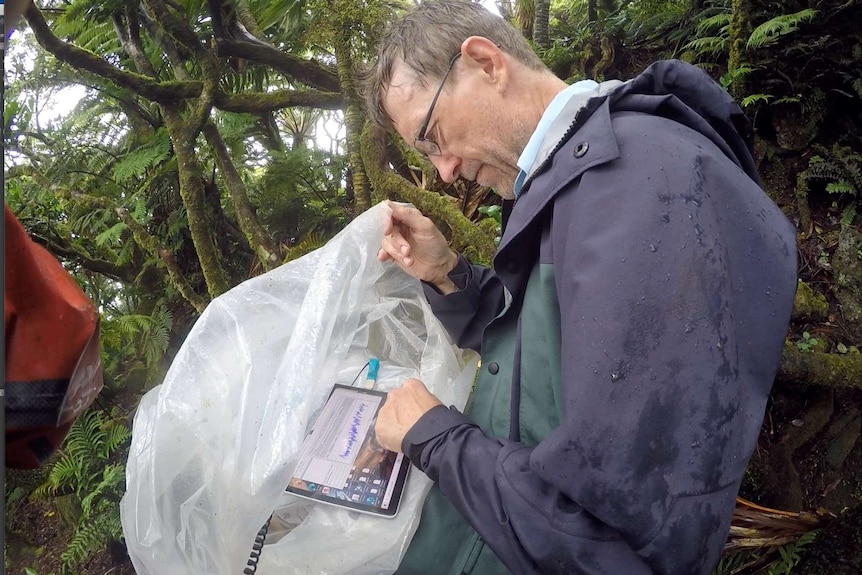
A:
<point x="341" y="462"/>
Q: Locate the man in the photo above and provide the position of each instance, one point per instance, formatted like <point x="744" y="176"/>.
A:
<point x="630" y="327"/>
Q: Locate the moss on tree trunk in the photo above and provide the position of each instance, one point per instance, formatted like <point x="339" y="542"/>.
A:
<point x="818" y="368"/>
<point x="258" y="238"/>
<point x="354" y="120"/>
<point x="194" y="200"/>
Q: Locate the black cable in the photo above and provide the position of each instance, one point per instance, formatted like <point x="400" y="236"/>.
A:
<point x="355" y="379"/>
<point x="256" y="548"/>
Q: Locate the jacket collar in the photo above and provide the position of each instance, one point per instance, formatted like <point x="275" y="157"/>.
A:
<point x="586" y="140"/>
<point x="576" y="104"/>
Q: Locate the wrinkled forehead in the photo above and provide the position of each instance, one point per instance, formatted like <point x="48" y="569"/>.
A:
<point x="406" y="101"/>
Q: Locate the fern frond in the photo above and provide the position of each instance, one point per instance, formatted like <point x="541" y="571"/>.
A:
<point x="136" y="163"/>
<point x="150" y="334"/>
<point x="90" y="537"/>
<point x="309" y="243"/>
<point x="771" y="30"/>
<point x="720" y="21"/>
<point x="112" y="477"/>
<point x="85" y="438"/>
<point x="848" y="215"/>
<point x="115" y="435"/>
<point x="754" y="98"/>
<point x="89" y="220"/>
<point x="709" y="45"/>
<point x="787" y="100"/>
<point x="60" y="478"/>
<point x="111" y="235"/>
<point x="840" y="187"/>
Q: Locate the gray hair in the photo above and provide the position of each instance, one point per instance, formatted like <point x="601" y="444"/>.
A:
<point x="425" y="40"/>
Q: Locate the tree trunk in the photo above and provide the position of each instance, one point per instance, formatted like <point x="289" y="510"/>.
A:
<point x="354" y="120"/>
<point x="592" y="16"/>
<point x="192" y="193"/>
<point x="540" y="29"/>
<point x="258" y="238"/>
<point x="740" y="28"/>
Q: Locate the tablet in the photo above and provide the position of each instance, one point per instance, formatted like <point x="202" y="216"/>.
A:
<point x="342" y="464"/>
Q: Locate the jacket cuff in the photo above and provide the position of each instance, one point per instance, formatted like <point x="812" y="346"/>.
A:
<point x="435" y="422"/>
<point x="460" y="275"/>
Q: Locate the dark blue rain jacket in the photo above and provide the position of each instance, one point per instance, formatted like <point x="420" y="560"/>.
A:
<point x="630" y="330"/>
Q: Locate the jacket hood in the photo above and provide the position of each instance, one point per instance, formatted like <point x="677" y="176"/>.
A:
<point x="672" y="89"/>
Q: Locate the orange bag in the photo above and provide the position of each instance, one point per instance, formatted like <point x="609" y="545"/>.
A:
<point x="53" y="364"/>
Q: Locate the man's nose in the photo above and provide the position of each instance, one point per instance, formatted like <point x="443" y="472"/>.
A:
<point x="448" y="166"/>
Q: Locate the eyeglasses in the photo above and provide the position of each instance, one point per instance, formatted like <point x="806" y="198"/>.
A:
<point x="430" y="147"/>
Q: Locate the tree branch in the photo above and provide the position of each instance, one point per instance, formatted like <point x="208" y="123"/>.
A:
<point x="466" y="238"/>
<point x="151" y="244"/>
<point x="306" y="71"/>
<point x="258" y="238"/>
<point x="132" y="47"/>
<point x="270" y="101"/>
<point x="818" y="368"/>
<point x="60" y="247"/>
<point x="185" y="35"/>
<point x="87" y="61"/>
<point x="171" y="92"/>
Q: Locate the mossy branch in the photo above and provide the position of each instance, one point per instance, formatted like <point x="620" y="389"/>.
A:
<point x="465" y="237"/>
<point x="85" y="60"/>
<point x="819" y="368"/>
<point x="151" y="244"/>
<point x="258" y="238"/>
<point x="170" y="92"/>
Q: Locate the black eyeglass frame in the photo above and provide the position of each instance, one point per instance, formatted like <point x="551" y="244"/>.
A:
<point x="430" y="147"/>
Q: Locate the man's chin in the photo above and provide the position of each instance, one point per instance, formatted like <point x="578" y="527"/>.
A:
<point x="505" y="190"/>
<point x="506" y="194"/>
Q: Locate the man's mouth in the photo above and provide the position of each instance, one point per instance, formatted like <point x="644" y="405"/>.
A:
<point x="475" y="177"/>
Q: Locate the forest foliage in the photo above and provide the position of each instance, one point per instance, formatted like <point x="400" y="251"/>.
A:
<point x="203" y="143"/>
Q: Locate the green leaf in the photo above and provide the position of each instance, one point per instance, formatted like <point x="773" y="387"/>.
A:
<point x="768" y="32"/>
<point x="840" y="187"/>
<point x="749" y="100"/>
<point x="111" y="235"/>
<point x="136" y="163"/>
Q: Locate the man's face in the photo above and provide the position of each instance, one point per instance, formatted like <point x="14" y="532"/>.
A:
<point x="476" y="138"/>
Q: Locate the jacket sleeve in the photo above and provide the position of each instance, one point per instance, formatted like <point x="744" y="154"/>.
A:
<point x="466" y="312"/>
<point x="672" y="324"/>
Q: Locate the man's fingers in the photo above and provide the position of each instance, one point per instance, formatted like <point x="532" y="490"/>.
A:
<point x="383" y="255"/>
<point x="396" y="248"/>
<point x="407" y="215"/>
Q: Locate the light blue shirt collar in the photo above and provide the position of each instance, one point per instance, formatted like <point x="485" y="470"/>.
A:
<point x="528" y="156"/>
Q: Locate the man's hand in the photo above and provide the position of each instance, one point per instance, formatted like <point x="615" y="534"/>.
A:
<point x="418" y="247"/>
<point x="401" y="410"/>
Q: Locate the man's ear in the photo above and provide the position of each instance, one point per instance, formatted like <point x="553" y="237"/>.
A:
<point x="482" y="54"/>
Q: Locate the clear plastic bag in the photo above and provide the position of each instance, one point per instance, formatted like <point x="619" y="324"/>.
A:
<point x="213" y="446"/>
